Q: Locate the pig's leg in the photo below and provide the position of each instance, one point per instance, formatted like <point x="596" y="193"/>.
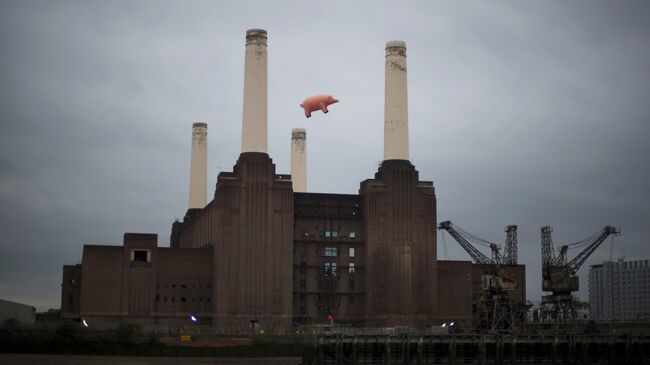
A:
<point x="323" y="107"/>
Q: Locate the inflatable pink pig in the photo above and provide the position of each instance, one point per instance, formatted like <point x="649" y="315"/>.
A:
<point x="317" y="102"/>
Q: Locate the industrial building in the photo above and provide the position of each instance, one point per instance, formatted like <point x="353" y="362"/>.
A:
<point x="618" y="291"/>
<point x="22" y="313"/>
<point x="265" y="254"/>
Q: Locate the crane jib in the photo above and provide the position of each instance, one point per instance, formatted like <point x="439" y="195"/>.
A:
<point x="465" y="240"/>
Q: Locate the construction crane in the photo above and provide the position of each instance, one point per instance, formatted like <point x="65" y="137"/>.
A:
<point x="496" y="309"/>
<point x="464" y="238"/>
<point x="559" y="276"/>
<point x="511" y="245"/>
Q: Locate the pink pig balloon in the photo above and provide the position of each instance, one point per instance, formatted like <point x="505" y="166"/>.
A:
<point x="317" y="102"/>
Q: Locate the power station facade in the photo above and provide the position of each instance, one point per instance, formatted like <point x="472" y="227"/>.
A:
<point x="265" y="253"/>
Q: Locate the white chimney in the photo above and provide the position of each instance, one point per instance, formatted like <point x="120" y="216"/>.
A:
<point x="299" y="159"/>
<point x="396" y="131"/>
<point x="254" y="123"/>
<point x="199" y="166"/>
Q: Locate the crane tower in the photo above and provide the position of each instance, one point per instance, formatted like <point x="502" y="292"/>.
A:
<point x="498" y="312"/>
<point x="559" y="276"/>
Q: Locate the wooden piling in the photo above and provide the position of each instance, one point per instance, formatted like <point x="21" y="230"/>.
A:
<point x="452" y="351"/>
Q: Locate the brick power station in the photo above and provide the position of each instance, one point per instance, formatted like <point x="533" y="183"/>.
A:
<point x="267" y="254"/>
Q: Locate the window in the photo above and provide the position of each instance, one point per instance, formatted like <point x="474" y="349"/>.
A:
<point x="335" y="234"/>
<point x="328" y="234"/>
<point x="183" y="286"/>
<point x="331" y="251"/>
<point x="157" y="297"/>
<point x="351" y="268"/>
<point x="140" y="255"/>
<point x="71" y="302"/>
<point x="329" y="268"/>
<point x="351" y="251"/>
<point x="353" y="235"/>
<point x="183" y="299"/>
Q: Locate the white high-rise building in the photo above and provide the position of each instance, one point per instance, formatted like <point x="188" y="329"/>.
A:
<point x="620" y="290"/>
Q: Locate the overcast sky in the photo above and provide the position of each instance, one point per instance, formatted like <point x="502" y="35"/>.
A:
<point x="521" y="112"/>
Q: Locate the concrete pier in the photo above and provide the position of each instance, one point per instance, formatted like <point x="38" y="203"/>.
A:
<point x="481" y="349"/>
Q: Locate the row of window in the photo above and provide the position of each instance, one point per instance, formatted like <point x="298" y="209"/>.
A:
<point x="183" y="286"/>
<point x="330" y="268"/>
<point x="637" y="264"/>
<point x="335" y="234"/>
<point x="181" y="299"/>
<point x="333" y="251"/>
